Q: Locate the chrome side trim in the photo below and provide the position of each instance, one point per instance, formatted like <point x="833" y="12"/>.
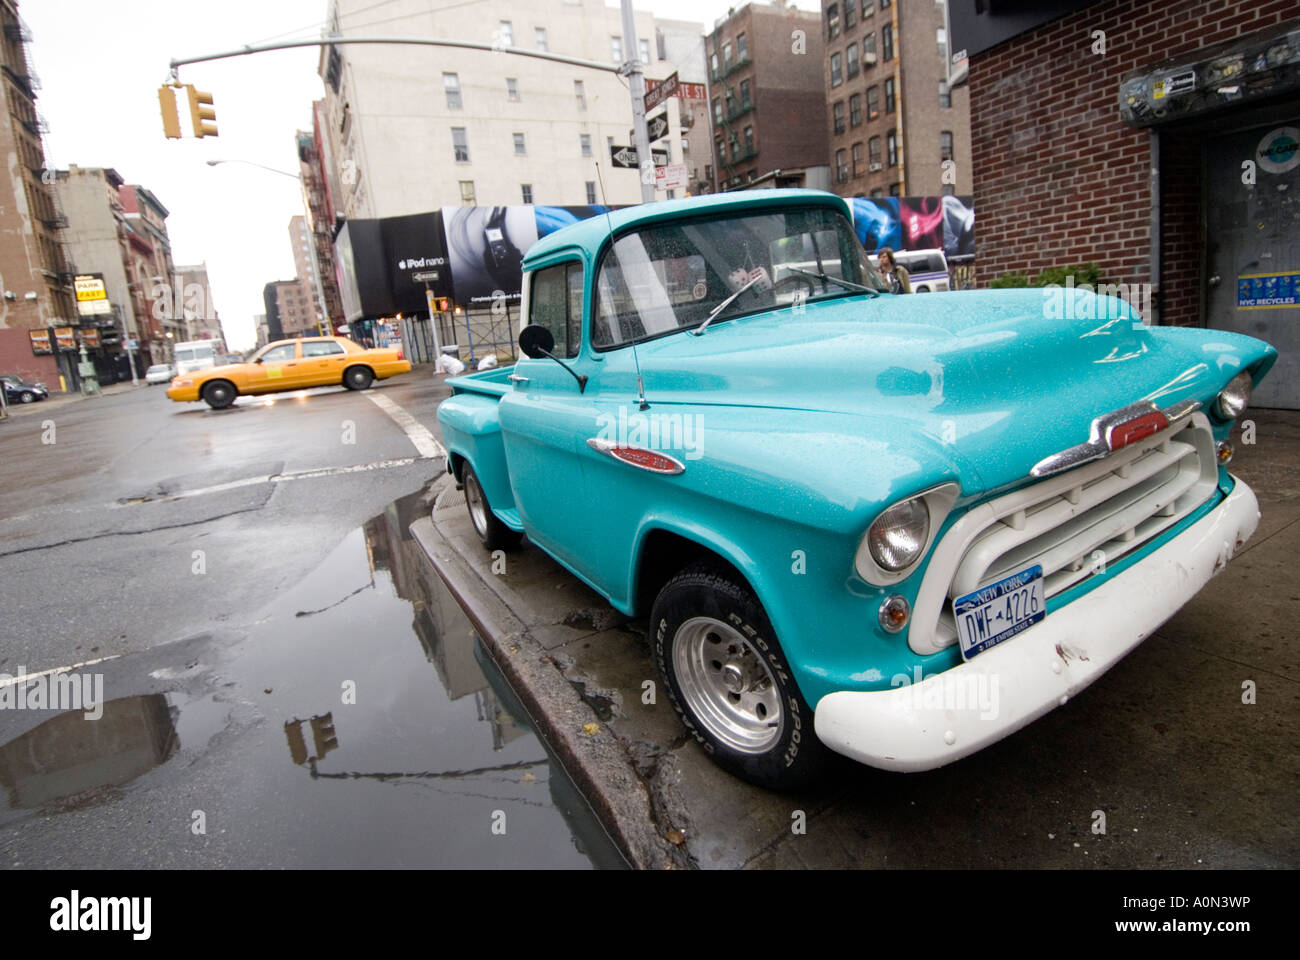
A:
<point x="607" y="447"/>
<point x="1098" y="444"/>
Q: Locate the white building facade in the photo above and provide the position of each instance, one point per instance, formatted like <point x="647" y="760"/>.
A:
<point x="414" y="128"/>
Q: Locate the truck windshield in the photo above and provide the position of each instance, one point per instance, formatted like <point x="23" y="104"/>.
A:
<point x="672" y="276"/>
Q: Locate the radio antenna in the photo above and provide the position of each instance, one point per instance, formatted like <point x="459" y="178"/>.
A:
<point x="609" y="222"/>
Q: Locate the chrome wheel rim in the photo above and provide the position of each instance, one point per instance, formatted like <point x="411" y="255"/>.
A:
<point x="726" y="684"/>
<point x="477" y="505"/>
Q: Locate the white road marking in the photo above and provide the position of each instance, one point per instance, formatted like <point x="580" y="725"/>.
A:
<point x="417" y="432"/>
<point x="275" y="478"/>
<point x="12" y="681"/>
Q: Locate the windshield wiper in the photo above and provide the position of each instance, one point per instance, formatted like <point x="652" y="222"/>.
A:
<point x="826" y="278"/>
<point x="699" y="331"/>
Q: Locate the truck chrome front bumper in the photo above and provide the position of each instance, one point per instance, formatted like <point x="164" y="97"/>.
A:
<point x="955" y="713"/>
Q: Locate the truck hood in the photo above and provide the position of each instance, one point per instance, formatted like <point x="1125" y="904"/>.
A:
<point x="992" y="380"/>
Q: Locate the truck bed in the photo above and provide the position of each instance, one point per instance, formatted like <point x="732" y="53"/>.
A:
<point x="492" y="383"/>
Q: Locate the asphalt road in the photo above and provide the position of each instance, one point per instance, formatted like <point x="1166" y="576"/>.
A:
<point x="96" y="560"/>
<point x="283" y="682"/>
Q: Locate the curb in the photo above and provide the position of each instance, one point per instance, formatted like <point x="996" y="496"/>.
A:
<point x="591" y="756"/>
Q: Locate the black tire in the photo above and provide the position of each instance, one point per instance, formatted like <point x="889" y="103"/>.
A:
<point x="358" y="377"/>
<point x="494" y="534"/>
<point x="706" y="610"/>
<point x="27" y="396"/>
<point x="219" y="394"/>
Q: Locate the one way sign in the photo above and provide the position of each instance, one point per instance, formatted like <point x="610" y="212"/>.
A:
<point x="657" y="126"/>
<point x="626" y="157"/>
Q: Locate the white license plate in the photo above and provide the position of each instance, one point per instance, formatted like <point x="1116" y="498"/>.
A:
<point x="1000" y="610"/>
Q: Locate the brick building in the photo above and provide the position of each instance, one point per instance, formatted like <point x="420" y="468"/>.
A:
<point x="150" y="273"/>
<point x="320" y="220"/>
<point x="36" y="277"/>
<point x="767" y="98"/>
<point x="1158" y="140"/>
<point x="891" y="116"/>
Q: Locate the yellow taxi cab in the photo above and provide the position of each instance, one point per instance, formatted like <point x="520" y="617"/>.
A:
<point x="291" y="365"/>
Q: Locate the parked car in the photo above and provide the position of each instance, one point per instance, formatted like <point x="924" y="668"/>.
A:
<point x="897" y="528"/>
<point x="290" y="365"/>
<point x="18" y="390"/>
<point x="159" y="373"/>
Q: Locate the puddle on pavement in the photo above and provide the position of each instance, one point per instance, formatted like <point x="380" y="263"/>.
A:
<point x="360" y="723"/>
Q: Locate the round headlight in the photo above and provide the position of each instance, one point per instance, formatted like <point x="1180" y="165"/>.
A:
<point x="898" y="535"/>
<point x="1232" y="400"/>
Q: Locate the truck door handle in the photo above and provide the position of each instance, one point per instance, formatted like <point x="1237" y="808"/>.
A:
<point x="515" y="378"/>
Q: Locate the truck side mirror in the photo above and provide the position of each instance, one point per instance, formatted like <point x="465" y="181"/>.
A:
<point x="536" y="341"/>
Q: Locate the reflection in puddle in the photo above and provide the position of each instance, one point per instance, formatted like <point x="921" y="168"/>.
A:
<point x="69" y="761"/>
<point x="390" y="763"/>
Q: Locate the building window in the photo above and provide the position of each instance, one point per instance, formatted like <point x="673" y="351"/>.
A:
<point x="749" y="140"/>
<point x="460" y="144"/>
<point x="616" y="49"/>
<point x="837" y="117"/>
<point x="609" y="142"/>
<point x="713" y="64"/>
<point x="512" y="89"/>
<point x="873" y="102"/>
<point x="519" y="145"/>
<point x="889" y="95"/>
<point x="850" y="14"/>
<point x="527" y="190"/>
<point x="869" y="49"/>
<point x="661" y="47"/>
<point x="855" y="110"/>
<point x="851" y="60"/>
<point x="645" y="50"/>
<point x="945" y="145"/>
<point x="941" y="36"/>
<point x="467" y="193"/>
<point x="745" y="101"/>
<point x="833" y="20"/>
<point x="591" y="191"/>
<point x="717" y="110"/>
<point x="868" y="8"/>
<point x="837" y="69"/>
<point x="887" y="41"/>
<point x="539" y="39"/>
<point x="451" y="86"/>
<point x="841" y="167"/>
<point x="873" y="151"/>
<point x="857" y="160"/>
<point x="672" y="194"/>
<point x="580" y="93"/>
<point x="945" y="96"/>
<point x="884" y="4"/>
<point x="877" y="194"/>
<point x="506" y="33"/>
<point x="722" y="151"/>
<point x="726" y="55"/>
<point x="893" y="189"/>
<point x="584" y="142"/>
<point x="891" y="147"/>
<point x="742" y="47"/>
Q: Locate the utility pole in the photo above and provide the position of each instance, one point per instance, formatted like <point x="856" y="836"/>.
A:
<point x="636" y="81"/>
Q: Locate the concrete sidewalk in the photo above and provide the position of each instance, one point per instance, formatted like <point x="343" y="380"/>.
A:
<point x="1186" y="775"/>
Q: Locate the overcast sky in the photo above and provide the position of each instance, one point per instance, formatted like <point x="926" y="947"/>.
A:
<point x="100" y="64"/>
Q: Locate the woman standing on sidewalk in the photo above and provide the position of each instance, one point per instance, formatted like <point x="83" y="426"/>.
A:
<point x="896" y="276"/>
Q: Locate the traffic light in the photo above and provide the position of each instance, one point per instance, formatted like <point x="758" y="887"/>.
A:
<point x="170" y="116"/>
<point x="201" y="112"/>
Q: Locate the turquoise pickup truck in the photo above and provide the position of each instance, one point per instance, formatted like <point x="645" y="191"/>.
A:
<point x="896" y="528"/>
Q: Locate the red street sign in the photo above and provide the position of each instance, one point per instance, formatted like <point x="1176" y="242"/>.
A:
<point x="660" y="92"/>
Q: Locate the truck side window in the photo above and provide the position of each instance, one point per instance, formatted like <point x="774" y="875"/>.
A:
<point x="557" y="305"/>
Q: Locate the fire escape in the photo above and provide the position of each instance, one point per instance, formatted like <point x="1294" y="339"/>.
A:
<point x="738" y="150"/>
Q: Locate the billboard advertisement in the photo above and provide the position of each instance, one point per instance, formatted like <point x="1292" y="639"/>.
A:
<point x="917" y="223"/>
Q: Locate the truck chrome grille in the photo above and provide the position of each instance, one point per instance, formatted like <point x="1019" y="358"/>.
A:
<point x="1073" y="524"/>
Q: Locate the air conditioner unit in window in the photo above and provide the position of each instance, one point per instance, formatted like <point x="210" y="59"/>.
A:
<point x="869" y="59"/>
<point x="874" y="168"/>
